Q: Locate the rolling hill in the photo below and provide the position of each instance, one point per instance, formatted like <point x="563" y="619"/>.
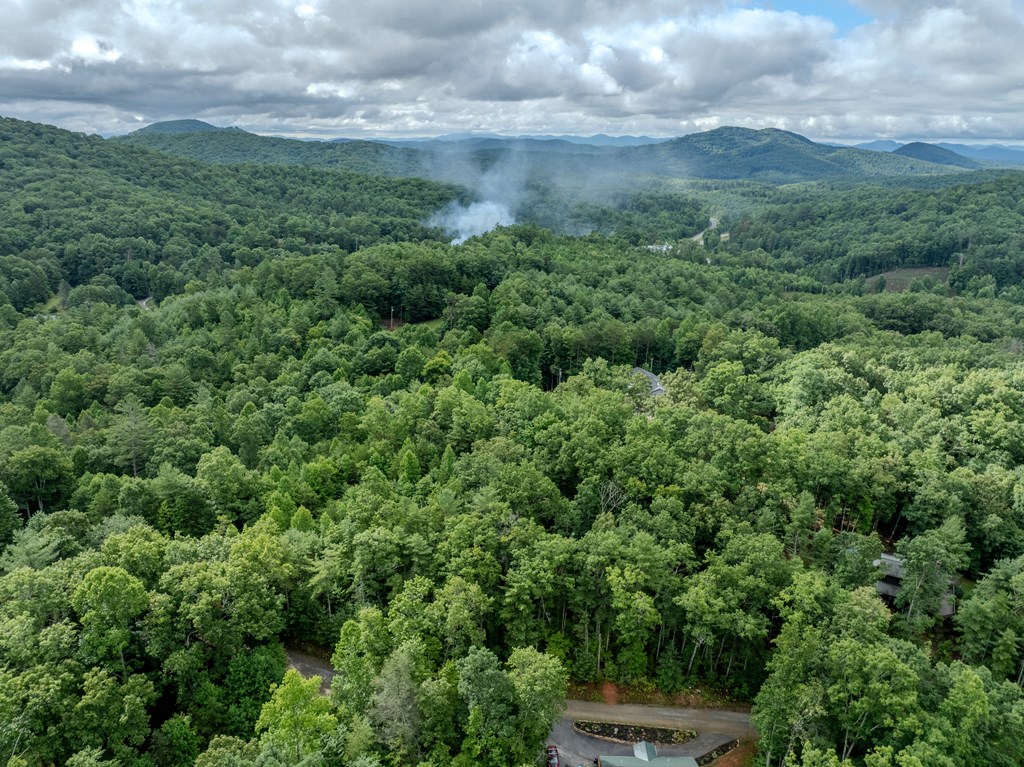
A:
<point x="931" y="153"/>
<point x="177" y="127"/>
<point x="226" y="146"/>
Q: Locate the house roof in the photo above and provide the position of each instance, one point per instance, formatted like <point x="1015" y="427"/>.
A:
<point x="646" y="755"/>
<point x="658" y="761"/>
<point x="656" y="388"/>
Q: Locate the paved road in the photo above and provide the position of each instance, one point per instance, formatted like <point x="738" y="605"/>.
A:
<point x="309" y="665"/>
<point x="699" y="237"/>
<point x="715" y="728"/>
<point x="734" y="723"/>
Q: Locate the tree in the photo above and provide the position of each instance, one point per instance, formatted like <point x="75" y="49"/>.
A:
<point x="540" y="683"/>
<point x="491" y="733"/>
<point x="10" y="519"/>
<point x="394" y="707"/>
<point x="113" y="715"/>
<point x="30" y="547"/>
<point x="930" y="562"/>
<point x="38" y="476"/>
<point x="176" y="744"/>
<point x="233" y="490"/>
<point x="357" y="660"/>
<point x="108" y="600"/>
<point x="295" y="718"/>
<point x="130" y="436"/>
<point x="991" y="621"/>
<point x="871" y="688"/>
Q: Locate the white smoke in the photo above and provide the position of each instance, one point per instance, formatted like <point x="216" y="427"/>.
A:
<point x="465" y="221"/>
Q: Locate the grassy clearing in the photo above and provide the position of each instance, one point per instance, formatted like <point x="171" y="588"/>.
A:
<point x="898" y="280"/>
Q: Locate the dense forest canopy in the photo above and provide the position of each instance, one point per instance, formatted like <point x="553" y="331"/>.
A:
<point x="330" y="427"/>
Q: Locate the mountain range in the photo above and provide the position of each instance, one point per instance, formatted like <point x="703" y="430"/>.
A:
<point x="769" y="155"/>
<point x="990" y="154"/>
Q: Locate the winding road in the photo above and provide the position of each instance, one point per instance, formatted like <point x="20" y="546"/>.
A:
<point x="715" y="727"/>
<point x="699" y="237"/>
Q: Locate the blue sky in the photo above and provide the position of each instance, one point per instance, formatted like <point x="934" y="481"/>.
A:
<point x="842" y="71"/>
<point x="844" y="15"/>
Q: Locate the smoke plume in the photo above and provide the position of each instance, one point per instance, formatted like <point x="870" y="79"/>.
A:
<point x="465" y="221"/>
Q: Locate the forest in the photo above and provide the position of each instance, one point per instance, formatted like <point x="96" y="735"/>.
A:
<point x="251" y="407"/>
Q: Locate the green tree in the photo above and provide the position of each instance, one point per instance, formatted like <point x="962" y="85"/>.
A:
<point x="108" y="600"/>
<point x="930" y="562"/>
<point x="10" y="519"/>
<point x="540" y="683"/>
<point x="130" y="436"/>
<point x="296" y="718"/>
<point x="38" y="477"/>
<point x="394" y="707"/>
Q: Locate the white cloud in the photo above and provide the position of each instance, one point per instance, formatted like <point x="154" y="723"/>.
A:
<point x="922" y="68"/>
<point x="91" y="50"/>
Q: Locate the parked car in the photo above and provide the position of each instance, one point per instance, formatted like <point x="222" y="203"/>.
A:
<point x="552" y="753"/>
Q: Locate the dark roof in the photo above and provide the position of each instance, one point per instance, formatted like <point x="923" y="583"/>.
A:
<point x="656" y="388"/>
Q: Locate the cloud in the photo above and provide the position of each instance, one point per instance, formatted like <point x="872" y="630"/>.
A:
<point x="340" y="67"/>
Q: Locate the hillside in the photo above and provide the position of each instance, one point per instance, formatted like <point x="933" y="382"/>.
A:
<point x="931" y="153"/>
<point x="233" y="147"/>
<point x="993" y="154"/>
<point x="174" y="127"/>
<point x="65" y="197"/>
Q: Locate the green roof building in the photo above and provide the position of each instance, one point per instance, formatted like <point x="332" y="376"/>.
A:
<point x="646" y="755"/>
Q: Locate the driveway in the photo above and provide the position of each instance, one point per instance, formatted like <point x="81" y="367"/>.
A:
<point x="309" y="665"/>
<point x="714" y="729"/>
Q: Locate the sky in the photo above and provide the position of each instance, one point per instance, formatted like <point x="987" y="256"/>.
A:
<point x="831" y="70"/>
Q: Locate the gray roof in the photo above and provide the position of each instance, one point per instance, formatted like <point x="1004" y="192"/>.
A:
<point x="658" y="761"/>
<point x="656" y="388"/>
<point x="644" y="755"/>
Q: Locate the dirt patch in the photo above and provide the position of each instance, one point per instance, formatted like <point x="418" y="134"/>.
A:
<point x="741" y="756"/>
<point x="610" y="693"/>
<point x="696" y="697"/>
<point x="898" y="280"/>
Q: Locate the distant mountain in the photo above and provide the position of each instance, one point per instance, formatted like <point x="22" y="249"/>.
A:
<point x="879" y="146"/>
<point x="601" y="139"/>
<point x="992" y="153"/>
<point x="770" y="155"/>
<point x="234" y="146"/>
<point x="550" y="145"/>
<point x="931" y="153"/>
<point x="175" y="127"/>
<point x="468" y="139"/>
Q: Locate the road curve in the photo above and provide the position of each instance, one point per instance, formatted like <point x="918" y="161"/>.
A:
<point x="714" y="728"/>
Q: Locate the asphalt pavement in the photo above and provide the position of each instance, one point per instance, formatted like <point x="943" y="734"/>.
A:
<point x="714" y="728"/>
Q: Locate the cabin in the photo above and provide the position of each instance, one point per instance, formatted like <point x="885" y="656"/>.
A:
<point x="646" y="755"/>
<point x="891" y="568"/>
<point x="656" y="388"/>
